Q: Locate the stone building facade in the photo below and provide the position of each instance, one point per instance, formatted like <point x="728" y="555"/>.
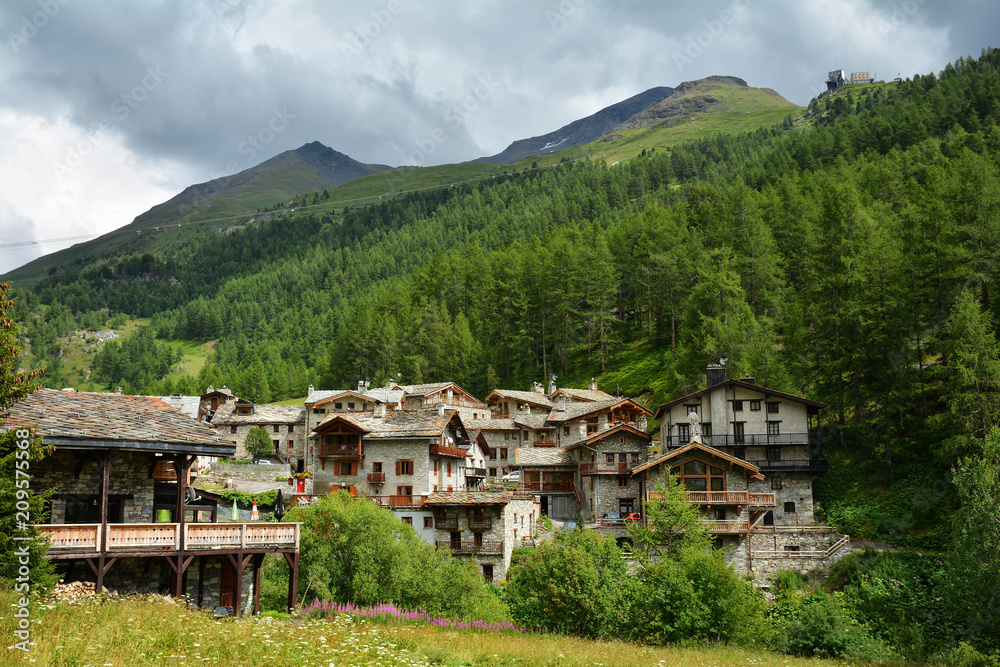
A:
<point x="285" y="424"/>
<point x="606" y="460"/>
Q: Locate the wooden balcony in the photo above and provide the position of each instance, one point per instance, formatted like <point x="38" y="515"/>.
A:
<point x="476" y="472"/>
<point x="452" y="452"/>
<point x="791" y="465"/>
<point x="546" y="486"/>
<point x="480" y="522"/>
<point x="605" y="468"/>
<point x="156" y="538"/>
<point x="376" y="478"/>
<point x="398" y="502"/>
<point x="728" y="527"/>
<point x="731" y="498"/>
<point x="470" y="547"/>
<point x="547" y="440"/>
<point x="352" y="451"/>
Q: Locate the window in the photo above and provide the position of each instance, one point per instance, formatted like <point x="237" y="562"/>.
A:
<point x="291" y="428"/>
<point x="300" y="465"/>
<point x="428" y="522"/>
<point x="506" y="436"/>
<point x="754" y="406"/>
<point x="688" y="409"/>
<point x="706" y="429"/>
<point x="435" y="488"/>
<point x="232" y="429"/>
<point x="377" y="466"/>
<point x="488" y="573"/>
<point x="772" y="408"/>
<point x="773" y="453"/>
<point x="276" y="428"/>
<point x="737" y="406"/>
<point x="565" y="430"/>
<point x="338" y="406"/>
<point x="319" y="411"/>
<point x="404" y="490"/>
<point x="622" y="481"/>
<point x="503" y="453"/>
<point x="493" y="472"/>
<point x="404" y="467"/>
<point x="493" y="454"/>
<point x="350" y="406"/>
<point x="635" y="457"/>
<point x="408" y="520"/>
<point x="792" y="547"/>
<point x="626" y="505"/>
<point x="609" y="458"/>
<point x="738" y="436"/>
<point x="699" y="476"/>
<point x="740" y="452"/>
<point x="776" y="483"/>
<point x="773" y="428"/>
<point x="718" y="514"/>
<point x="277" y="447"/>
<point x="592" y="426"/>
<point x="477" y="539"/>
<point x="345" y="468"/>
<point x="449" y="470"/>
<point x="790" y="508"/>
<point x="683" y="433"/>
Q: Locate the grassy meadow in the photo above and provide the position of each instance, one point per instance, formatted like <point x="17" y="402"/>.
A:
<point x="141" y="631"/>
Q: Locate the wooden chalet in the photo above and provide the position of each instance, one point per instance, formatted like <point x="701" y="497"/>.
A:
<point x="123" y="506"/>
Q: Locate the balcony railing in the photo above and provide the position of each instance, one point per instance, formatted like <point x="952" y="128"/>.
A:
<point x="548" y="440"/>
<point x="731" y="498"/>
<point x="480" y="522"/>
<point x="397" y="501"/>
<point x="728" y="527"/>
<point x="546" y="486"/>
<point x="442" y="450"/>
<point x="792" y="465"/>
<point x="751" y="440"/>
<point x="605" y="468"/>
<point x="446" y="522"/>
<point x="376" y="478"/>
<point x="159" y="537"/>
<point x="340" y="450"/>
<point x="454" y="401"/>
<point x="475" y="472"/>
<point x="470" y="547"/>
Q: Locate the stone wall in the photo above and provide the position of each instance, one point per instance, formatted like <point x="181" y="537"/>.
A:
<point x="386" y="452"/>
<point x="773" y="551"/>
<point x="129" y="475"/>
<point x="286" y="453"/>
<point x="602" y="491"/>
<point x="796" y="487"/>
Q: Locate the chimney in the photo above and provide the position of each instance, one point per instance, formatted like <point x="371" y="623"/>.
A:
<point x="210" y="389"/>
<point x="749" y="380"/>
<point x="640" y="423"/>
<point x="552" y="386"/>
<point x="379" y="409"/>
<point x="537" y="388"/>
<point x="593" y="385"/>
<point x="561" y="403"/>
<point x="311" y="389"/>
<point x="225" y="390"/>
<point x="716" y="374"/>
<point x="441" y="410"/>
<point x="118" y="391"/>
<point x="361" y="386"/>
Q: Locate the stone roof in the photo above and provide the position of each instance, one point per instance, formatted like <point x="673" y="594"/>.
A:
<point x="189" y="405"/>
<point x="577" y="409"/>
<point x="582" y="394"/>
<point x="262" y="414"/>
<point x="395" y="423"/>
<point x="325" y="394"/>
<point x="532" y="397"/>
<point x="532" y="421"/>
<point x="469" y="498"/>
<point x="543" y="456"/>
<point x="493" y="425"/>
<point x="134" y="422"/>
<point x="425" y="389"/>
<point x="387" y="396"/>
<point x="594" y="438"/>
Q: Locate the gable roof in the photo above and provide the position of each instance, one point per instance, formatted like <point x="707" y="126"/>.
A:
<point x="86" y="420"/>
<point x="694" y="446"/>
<point x="533" y="421"/>
<point x="579" y="409"/>
<point x="581" y="394"/>
<point x="532" y="397"/>
<point x="811" y="405"/>
<point x="327" y="395"/>
<point x="543" y="456"/>
<point x="262" y="414"/>
<point x="469" y="498"/>
<point x="397" y="423"/>
<point x="493" y="425"/>
<point x="601" y="435"/>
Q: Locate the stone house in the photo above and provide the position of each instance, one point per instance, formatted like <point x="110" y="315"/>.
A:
<point x="286" y="424"/>
<point x="395" y="457"/>
<point x="722" y="486"/>
<point x="483" y="526"/>
<point x="550" y="473"/>
<point x="773" y="430"/>
<point x="605" y="463"/>
<point x="448" y="394"/>
<point x="502" y="437"/>
<point x="123" y="513"/>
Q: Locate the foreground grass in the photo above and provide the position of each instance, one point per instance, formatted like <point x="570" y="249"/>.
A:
<point x="124" y="632"/>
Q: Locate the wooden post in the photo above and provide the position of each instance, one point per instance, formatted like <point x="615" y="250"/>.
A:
<point x="104" y="463"/>
<point x="293" y="578"/>
<point x="258" y="561"/>
<point x="182" y="463"/>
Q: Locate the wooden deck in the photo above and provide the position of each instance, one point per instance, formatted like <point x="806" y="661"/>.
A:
<point x="156" y="538"/>
<point x="731" y="498"/>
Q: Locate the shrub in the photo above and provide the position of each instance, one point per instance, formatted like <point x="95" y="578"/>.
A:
<point x="822" y="628"/>
<point x="258" y="443"/>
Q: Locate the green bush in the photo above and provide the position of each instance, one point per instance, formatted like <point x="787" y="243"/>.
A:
<point x="822" y="628"/>
<point x="258" y="443"/>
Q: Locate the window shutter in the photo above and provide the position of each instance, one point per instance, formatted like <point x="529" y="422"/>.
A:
<point x="397" y="466"/>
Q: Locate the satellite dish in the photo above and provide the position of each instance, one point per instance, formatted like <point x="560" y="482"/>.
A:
<point x="191" y="497"/>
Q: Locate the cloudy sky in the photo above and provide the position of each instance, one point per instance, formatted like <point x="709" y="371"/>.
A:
<point x="110" y="107"/>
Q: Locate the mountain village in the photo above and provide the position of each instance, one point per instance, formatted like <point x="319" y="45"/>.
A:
<point x="136" y="504"/>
